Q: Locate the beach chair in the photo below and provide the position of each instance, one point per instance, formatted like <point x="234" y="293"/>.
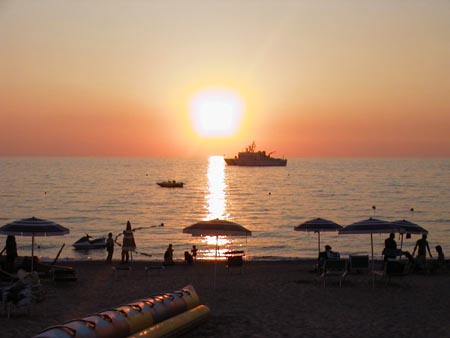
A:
<point x="24" y="292"/>
<point x="335" y="268"/>
<point x="235" y="260"/>
<point x="7" y="278"/>
<point x="392" y="268"/>
<point x="359" y="264"/>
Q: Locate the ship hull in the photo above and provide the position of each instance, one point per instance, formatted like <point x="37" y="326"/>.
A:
<point x="275" y="162"/>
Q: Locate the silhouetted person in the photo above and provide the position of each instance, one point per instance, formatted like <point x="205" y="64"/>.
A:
<point x="168" y="256"/>
<point x="423" y="247"/>
<point x="128" y="243"/>
<point x="194" y="252"/>
<point x="440" y="252"/>
<point x="390" y="247"/>
<point x="109" y="248"/>
<point x="188" y="257"/>
<point x="11" y="253"/>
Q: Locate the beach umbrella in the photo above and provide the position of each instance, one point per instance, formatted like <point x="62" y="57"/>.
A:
<point x="370" y="226"/>
<point x="217" y="227"/>
<point x="318" y="225"/>
<point x="407" y="227"/>
<point x="33" y="227"/>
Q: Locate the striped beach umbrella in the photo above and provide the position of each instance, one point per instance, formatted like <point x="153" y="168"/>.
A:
<point x="370" y="226"/>
<point x="33" y="227"/>
<point x="409" y="228"/>
<point x="318" y="225"/>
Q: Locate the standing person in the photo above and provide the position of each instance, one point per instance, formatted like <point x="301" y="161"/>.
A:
<point x="422" y="246"/>
<point x="128" y="243"/>
<point x="11" y="253"/>
<point x="194" y="252"/>
<point x="109" y="248"/>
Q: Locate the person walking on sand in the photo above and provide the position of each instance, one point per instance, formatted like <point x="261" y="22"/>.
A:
<point x="109" y="248"/>
<point x="128" y="243"/>
<point x="422" y="246"/>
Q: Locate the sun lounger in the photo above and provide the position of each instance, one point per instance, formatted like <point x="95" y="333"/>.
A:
<point x="392" y="268"/>
<point x="54" y="272"/>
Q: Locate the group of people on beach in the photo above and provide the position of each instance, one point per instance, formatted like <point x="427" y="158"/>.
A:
<point x="189" y="257"/>
<point x="391" y="252"/>
<point x="128" y="246"/>
<point x="422" y="247"/>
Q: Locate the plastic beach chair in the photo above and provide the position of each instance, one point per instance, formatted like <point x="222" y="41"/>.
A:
<point x="359" y="263"/>
<point x="235" y="259"/>
<point x="334" y="268"/>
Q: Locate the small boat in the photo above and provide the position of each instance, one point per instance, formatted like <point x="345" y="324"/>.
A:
<point x="252" y="158"/>
<point x="170" y="184"/>
<point x="86" y="243"/>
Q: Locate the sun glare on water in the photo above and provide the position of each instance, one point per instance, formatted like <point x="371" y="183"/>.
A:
<point x="216" y="112"/>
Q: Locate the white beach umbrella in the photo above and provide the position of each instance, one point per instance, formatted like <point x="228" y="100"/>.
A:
<point x="33" y="227"/>
<point x="318" y="225"/>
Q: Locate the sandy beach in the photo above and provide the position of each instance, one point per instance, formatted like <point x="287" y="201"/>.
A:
<point x="269" y="299"/>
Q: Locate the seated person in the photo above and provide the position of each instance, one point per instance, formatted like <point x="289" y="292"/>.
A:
<point x="440" y="252"/>
<point x="390" y="250"/>
<point x="327" y="254"/>
<point x="440" y="264"/>
<point x="331" y="254"/>
<point x="168" y="256"/>
<point x="188" y="258"/>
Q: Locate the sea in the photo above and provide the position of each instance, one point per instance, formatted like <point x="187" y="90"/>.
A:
<point x="96" y="196"/>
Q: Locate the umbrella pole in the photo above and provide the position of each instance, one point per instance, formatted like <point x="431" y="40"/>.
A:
<point x="371" y="244"/>
<point x="215" y="263"/>
<point x="318" y="234"/>
<point x="401" y="246"/>
<point x="32" y="253"/>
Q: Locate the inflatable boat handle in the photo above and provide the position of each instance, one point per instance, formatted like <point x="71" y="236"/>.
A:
<point x="136" y="307"/>
<point x="71" y="332"/>
<point x="90" y="324"/>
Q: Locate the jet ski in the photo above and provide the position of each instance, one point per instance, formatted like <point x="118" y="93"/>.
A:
<point x="87" y="243"/>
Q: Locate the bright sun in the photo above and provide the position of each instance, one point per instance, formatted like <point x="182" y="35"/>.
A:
<point x="216" y="112"/>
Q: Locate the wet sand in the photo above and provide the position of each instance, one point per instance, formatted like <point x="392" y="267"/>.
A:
<point x="269" y="299"/>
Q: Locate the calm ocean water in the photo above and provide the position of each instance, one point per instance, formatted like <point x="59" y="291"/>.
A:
<point x="98" y="195"/>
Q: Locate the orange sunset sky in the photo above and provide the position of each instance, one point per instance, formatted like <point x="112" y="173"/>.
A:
<point x="197" y="78"/>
